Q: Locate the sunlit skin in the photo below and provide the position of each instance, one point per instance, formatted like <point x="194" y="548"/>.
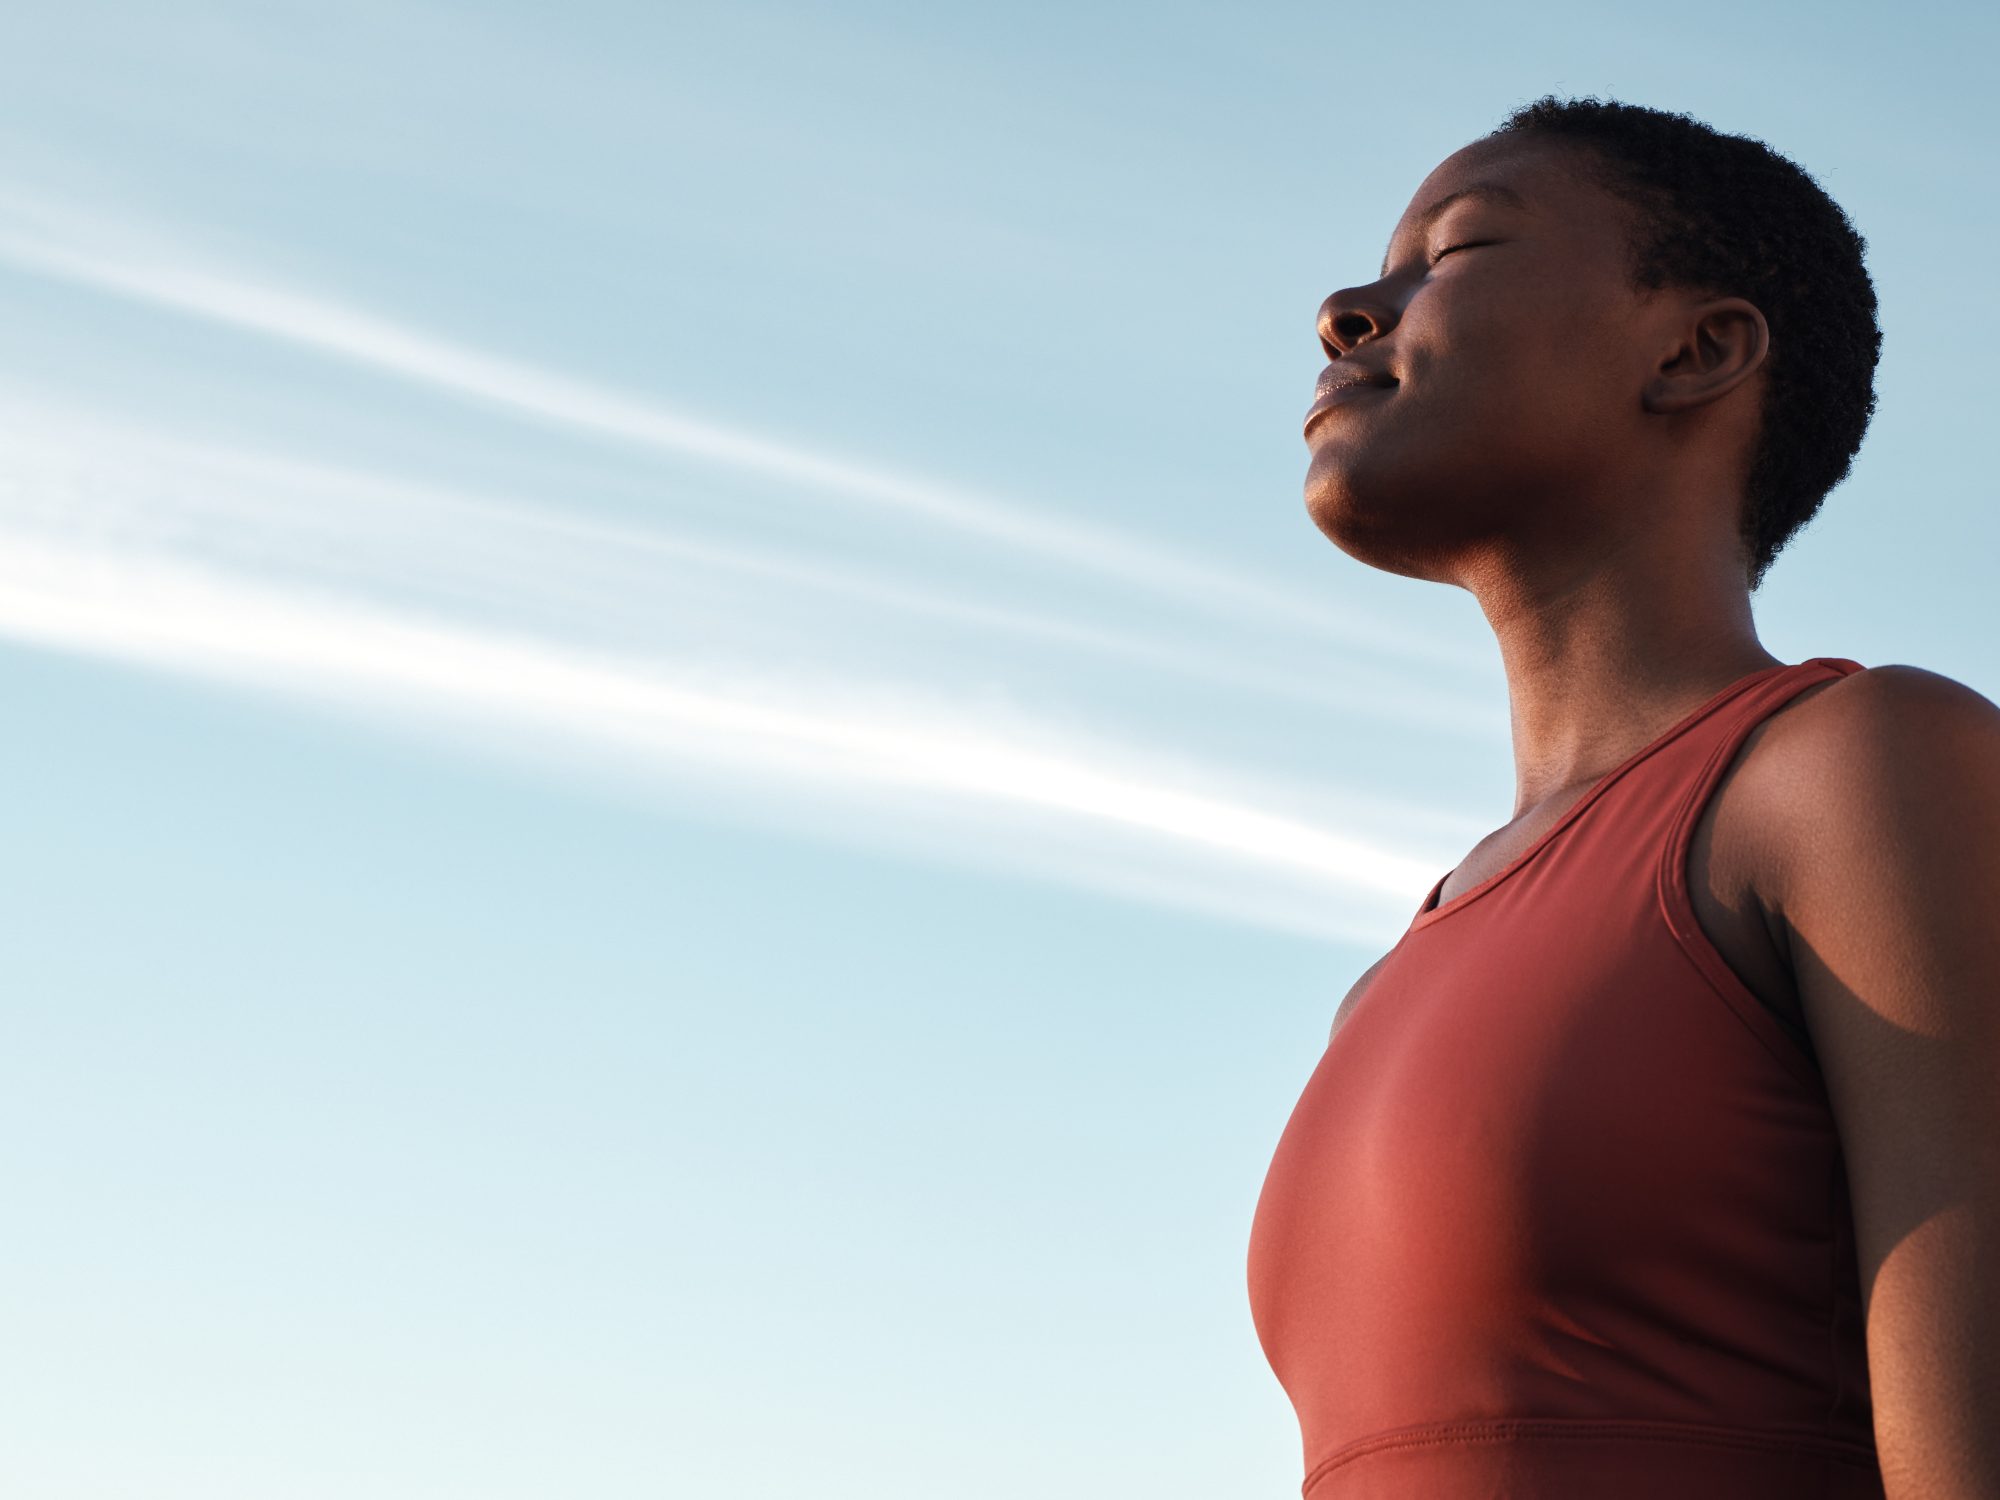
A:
<point x="1572" y="452"/>
<point x="1566" y="448"/>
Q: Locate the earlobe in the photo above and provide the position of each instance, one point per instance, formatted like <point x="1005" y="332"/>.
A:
<point x="1724" y="343"/>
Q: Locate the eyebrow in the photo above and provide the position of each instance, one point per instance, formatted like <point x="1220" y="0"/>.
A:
<point x="1499" y="192"/>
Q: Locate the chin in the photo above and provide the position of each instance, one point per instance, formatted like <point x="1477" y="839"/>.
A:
<point x="1359" y="517"/>
<point x="1340" y="501"/>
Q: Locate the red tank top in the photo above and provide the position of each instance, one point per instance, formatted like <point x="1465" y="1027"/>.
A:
<point x="1561" y="1211"/>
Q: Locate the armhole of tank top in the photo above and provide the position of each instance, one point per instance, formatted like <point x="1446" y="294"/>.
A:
<point x="1677" y="905"/>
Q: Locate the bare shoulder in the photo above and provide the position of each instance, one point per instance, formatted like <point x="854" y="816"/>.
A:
<point x="1887" y="789"/>
<point x="1891" y="699"/>
<point x="1872" y="795"/>
<point x="1867" y="747"/>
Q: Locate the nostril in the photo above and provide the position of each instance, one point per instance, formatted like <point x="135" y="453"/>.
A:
<point x="1354" y="327"/>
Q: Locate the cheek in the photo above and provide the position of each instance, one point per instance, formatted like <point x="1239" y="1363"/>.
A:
<point x="1453" y="343"/>
<point x="1521" y="371"/>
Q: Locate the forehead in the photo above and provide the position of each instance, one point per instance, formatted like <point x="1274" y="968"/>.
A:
<point x="1546" y="179"/>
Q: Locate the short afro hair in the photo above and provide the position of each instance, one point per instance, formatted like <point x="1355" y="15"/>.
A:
<point x="1729" y="215"/>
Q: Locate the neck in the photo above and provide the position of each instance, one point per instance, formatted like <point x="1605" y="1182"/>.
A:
<point x="1602" y="659"/>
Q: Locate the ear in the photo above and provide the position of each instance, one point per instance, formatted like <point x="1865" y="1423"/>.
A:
<point x="1722" y="344"/>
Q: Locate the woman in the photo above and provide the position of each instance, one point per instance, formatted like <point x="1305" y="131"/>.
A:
<point x="1661" y="1155"/>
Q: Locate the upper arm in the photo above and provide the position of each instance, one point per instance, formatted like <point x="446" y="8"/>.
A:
<point x="1888" y="894"/>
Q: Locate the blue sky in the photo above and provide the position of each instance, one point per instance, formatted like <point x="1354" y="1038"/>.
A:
<point x="689" y="793"/>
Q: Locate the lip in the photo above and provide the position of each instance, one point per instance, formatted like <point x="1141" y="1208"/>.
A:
<point x="1353" y="388"/>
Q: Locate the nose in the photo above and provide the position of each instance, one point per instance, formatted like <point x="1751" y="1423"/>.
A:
<point x="1352" y="316"/>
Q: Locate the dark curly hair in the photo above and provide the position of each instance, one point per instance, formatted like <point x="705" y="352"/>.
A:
<point x="1729" y="215"/>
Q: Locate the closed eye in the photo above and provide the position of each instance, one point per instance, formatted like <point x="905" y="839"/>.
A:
<point x="1468" y="245"/>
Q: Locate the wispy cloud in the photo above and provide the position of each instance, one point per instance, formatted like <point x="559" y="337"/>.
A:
<point x="122" y="482"/>
<point x="742" y="679"/>
<point x="173" y="615"/>
<point x="59" y="241"/>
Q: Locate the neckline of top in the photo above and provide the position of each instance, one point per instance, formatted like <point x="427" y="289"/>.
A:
<point x="1427" y="914"/>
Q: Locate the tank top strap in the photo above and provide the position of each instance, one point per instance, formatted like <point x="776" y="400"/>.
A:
<point x="1720" y="733"/>
<point x="1678" y="771"/>
<point x="1714" y="747"/>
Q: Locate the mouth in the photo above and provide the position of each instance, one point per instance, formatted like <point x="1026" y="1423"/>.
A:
<point x="1351" y="387"/>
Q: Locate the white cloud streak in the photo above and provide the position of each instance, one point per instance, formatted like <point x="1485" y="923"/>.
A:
<point x="348" y="590"/>
<point x="120" y="482"/>
<point x="52" y="241"/>
<point x="171" y="615"/>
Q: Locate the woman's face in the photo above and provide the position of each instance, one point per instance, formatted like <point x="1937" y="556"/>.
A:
<point x="1514" y="346"/>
